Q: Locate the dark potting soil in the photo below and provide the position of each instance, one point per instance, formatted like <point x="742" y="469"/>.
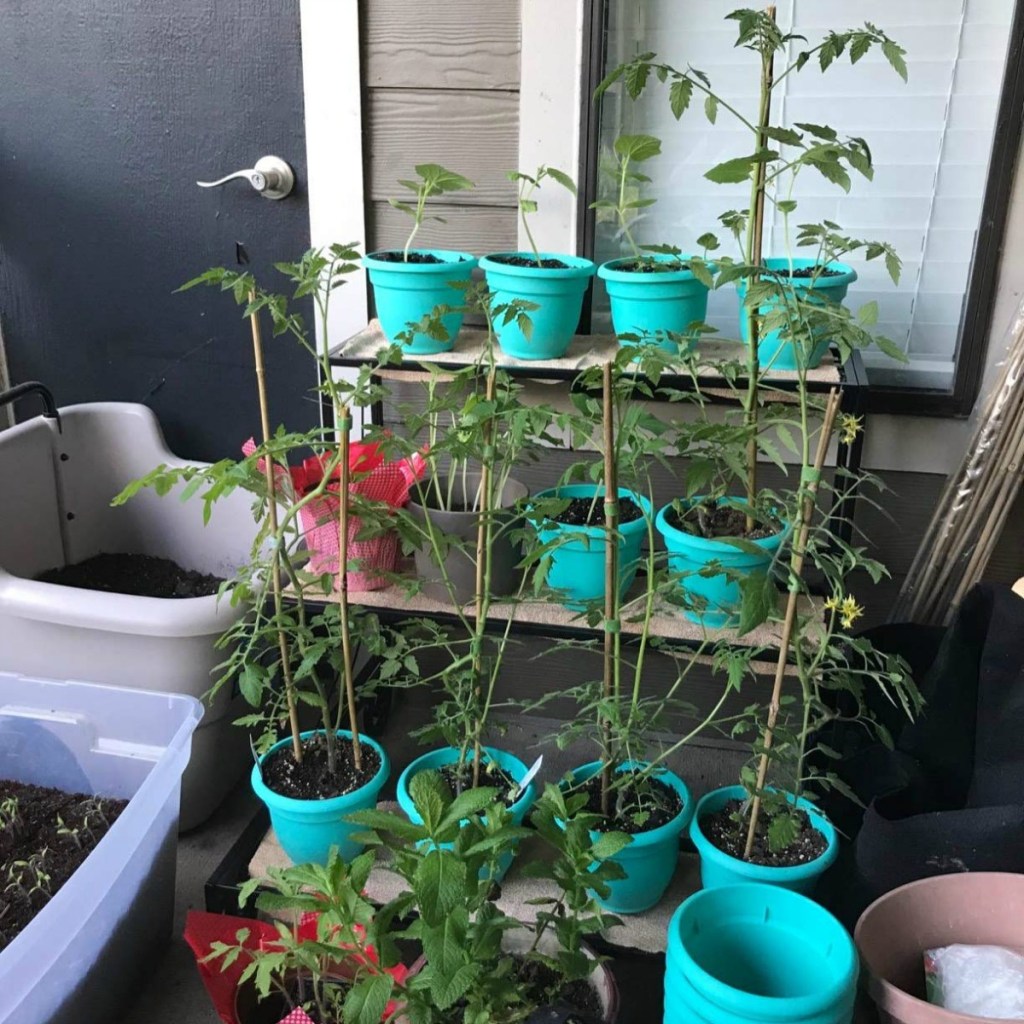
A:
<point x="45" y="834"/>
<point x="650" y="266"/>
<point x="712" y="519"/>
<point x="397" y="256"/>
<point x="806" y="272"/>
<point x="312" y="779"/>
<point x="137" y="575"/>
<point x="459" y="778"/>
<point x="634" y="808"/>
<point x="544" y="987"/>
<point x="548" y="263"/>
<point x="730" y="836"/>
<point x="587" y="512"/>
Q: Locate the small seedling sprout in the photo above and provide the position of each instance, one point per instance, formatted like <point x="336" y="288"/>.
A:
<point x="434" y="180"/>
<point x="528" y="184"/>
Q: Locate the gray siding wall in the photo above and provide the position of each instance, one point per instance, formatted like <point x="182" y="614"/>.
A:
<point x="442" y="86"/>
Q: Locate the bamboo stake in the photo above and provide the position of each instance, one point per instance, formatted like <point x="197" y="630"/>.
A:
<point x="760" y="173"/>
<point x="611" y="574"/>
<point x="796" y="568"/>
<point x="482" y="556"/>
<point x="344" y="426"/>
<point x="275" y="574"/>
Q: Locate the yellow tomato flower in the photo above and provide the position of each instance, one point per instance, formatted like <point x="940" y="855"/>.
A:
<point x="849" y="611"/>
<point x="832" y="603"/>
<point x="849" y="427"/>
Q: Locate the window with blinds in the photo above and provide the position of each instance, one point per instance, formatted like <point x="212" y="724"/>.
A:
<point x="930" y="140"/>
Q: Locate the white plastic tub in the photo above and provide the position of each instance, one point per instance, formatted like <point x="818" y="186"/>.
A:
<point x="81" y="958"/>
<point x="55" y="493"/>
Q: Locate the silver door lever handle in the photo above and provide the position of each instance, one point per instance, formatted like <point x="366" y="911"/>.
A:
<point x="271" y="177"/>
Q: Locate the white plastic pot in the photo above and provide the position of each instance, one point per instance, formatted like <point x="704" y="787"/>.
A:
<point x="54" y="511"/>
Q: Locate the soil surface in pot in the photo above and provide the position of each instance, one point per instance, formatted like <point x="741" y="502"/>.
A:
<point x="724" y="832"/>
<point x="253" y="1010"/>
<point x="587" y="512"/>
<point x="805" y="272"/>
<point x="544" y="987"/>
<point x="549" y="263"/>
<point x="45" y="834"/>
<point x="136" y="575"/>
<point x="642" y="266"/>
<point x="634" y="808"/>
<point x="459" y="777"/>
<point x="312" y="779"/>
<point x="712" y="519"/>
<point x="397" y="256"/>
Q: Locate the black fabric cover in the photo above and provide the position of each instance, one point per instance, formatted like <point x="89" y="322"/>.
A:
<point x="950" y="797"/>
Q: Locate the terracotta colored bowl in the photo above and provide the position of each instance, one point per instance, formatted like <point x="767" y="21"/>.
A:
<point x="982" y="908"/>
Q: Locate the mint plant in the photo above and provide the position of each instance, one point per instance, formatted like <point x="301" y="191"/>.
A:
<point x="432" y="180"/>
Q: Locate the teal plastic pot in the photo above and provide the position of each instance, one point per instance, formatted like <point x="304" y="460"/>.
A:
<point x="719" y="869"/>
<point x="654" y="304"/>
<point x="772" y="350"/>
<point x="576" y="570"/>
<point x="404" y="293"/>
<point x="756" y="954"/>
<point x="651" y="858"/>
<point x="307" y="829"/>
<point x="449" y="755"/>
<point x="713" y="598"/>
<point x="558" y="294"/>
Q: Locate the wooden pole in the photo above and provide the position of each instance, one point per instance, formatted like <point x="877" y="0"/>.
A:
<point x="344" y="426"/>
<point x="760" y="173"/>
<point x="275" y="573"/>
<point x="611" y="571"/>
<point x="482" y="556"/>
<point x="796" y="568"/>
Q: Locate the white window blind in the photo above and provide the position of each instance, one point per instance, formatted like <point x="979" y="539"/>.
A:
<point x="930" y="140"/>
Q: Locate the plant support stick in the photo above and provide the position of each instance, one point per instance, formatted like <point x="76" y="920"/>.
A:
<point x="611" y="576"/>
<point x="796" y="568"/>
<point x="268" y="468"/>
<point x="344" y="425"/>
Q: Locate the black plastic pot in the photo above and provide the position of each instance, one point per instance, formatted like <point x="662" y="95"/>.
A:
<point x="458" y="531"/>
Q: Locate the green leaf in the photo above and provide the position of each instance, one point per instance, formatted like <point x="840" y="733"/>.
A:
<point x="891" y="349"/>
<point x="562" y="178"/>
<point x="738" y="169"/>
<point x="679" y="95"/>
<point x="893" y="265"/>
<point x="367" y="999"/>
<point x="637" y="147"/>
<point x="758" y="598"/>
<point x="468" y="803"/>
<point x="711" y="107"/>
<point x="429" y="795"/>
<point x="438" y="883"/>
<point x="635" y="77"/>
<point x="783" y="830"/>
<point x="868" y="313"/>
<point x="894" y="54"/>
<point x="820" y="131"/>
<point x="610" y="843"/>
<point x="448" y="991"/>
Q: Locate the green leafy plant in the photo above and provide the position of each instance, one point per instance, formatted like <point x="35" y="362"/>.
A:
<point x="527" y="185"/>
<point x="432" y="180"/>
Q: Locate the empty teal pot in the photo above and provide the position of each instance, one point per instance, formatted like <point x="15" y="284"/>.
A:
<point x="719" y="869"/>
<point x="405" y="293"/>
<point x="713" y="598"/>
<point x="651" y="858"/>
<point x="755" y="954"/>
<point x="576" y="569"/>
<point x="772" y="350"/>
<point x="557" y="292"/>
<point x="449" y="755"/>
<point x="307" y="829"/>
<point x="655" y="303"/>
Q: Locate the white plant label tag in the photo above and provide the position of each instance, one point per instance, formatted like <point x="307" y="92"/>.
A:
<point x="528" y="777"/>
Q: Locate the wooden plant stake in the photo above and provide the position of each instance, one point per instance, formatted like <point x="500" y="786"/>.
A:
<point x="344" y="426"/>
<point x="760" y="173"/>
<point x="611" y="573"/>
<point x="275" y="575"/>
<point x="796" y="568"/>
<point x="482" y="558"/>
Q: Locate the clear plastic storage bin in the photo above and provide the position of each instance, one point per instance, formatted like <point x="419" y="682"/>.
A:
<point x="82" y="957"/>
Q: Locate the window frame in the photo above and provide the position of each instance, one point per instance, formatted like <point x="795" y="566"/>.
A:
<point x="972" y="344"/>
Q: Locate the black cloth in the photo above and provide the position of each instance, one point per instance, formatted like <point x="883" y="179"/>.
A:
<point x="950" y="796"/>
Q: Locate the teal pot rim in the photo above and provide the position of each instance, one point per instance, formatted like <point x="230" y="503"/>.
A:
<point x="450" y="257"/>
<point x="449" y="755"/>
<point x="550" y="527"/>
<point x="749" y="1005"/>
<point x="331" y="806"/>
<point x="609" y="271"/>
<point x="762" y="872"/>
<point x="675" y="827"/>
<point x="578" y="266"/>
<point x="846" y="276"/>
<point x="710" y="546"/>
